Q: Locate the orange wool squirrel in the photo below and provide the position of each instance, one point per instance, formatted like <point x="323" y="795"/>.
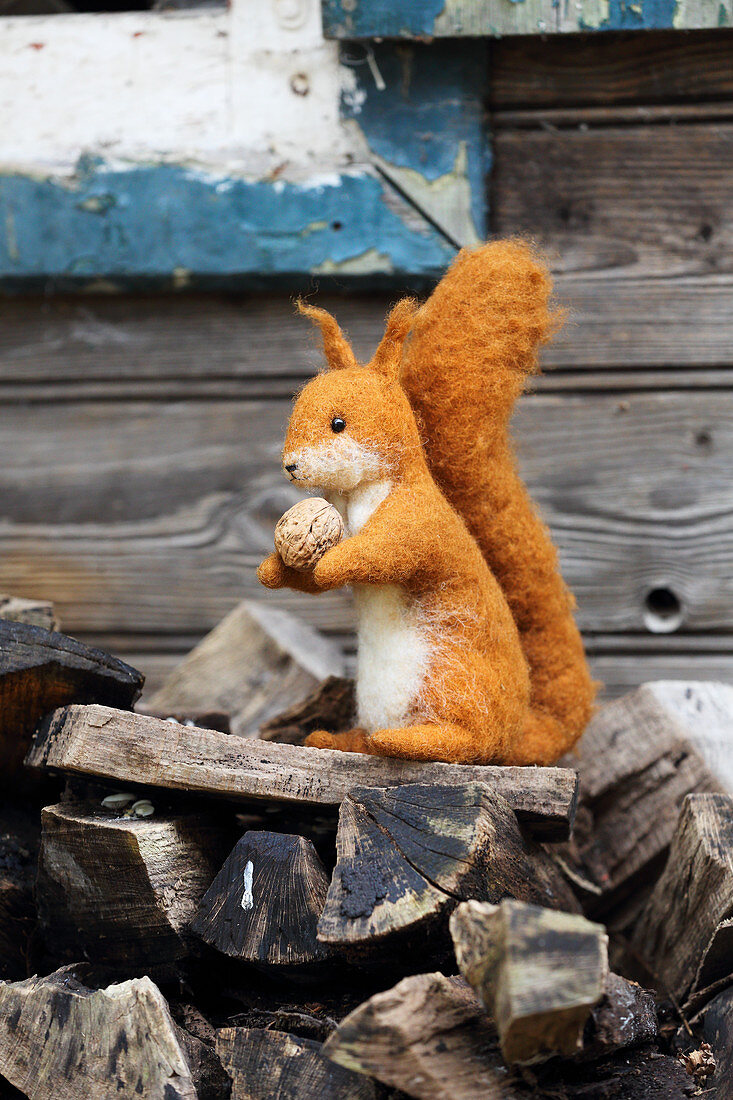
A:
<point x="468" y="650"/>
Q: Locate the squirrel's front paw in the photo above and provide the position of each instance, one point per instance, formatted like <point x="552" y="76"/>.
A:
<point x="272" y="572"/>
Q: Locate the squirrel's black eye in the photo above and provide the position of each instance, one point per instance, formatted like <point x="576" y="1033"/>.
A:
<point x="338" y="424"/>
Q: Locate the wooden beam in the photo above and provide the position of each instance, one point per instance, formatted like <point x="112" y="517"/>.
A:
<point x="134" y="748"/>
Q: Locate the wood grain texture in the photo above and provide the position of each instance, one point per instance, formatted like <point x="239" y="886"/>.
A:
<point x="121" y="892"/>
<point x="666" y="67"/>
<point x="152" y="517"/>
<point x="136" y="1049"/>
<point x="112" y="744"/>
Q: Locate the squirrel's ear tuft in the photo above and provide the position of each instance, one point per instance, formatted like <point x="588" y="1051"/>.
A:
<point x="336" y="346"/>
<point x="388" y="355"/>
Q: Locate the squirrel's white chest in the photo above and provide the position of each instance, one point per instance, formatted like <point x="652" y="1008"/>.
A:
<point x="394" y="653"/>
<point x="394" y="648"/>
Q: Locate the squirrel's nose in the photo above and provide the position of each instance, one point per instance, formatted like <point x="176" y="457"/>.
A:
<point x="292" y="467"/>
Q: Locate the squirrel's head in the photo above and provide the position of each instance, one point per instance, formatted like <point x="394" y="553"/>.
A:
<point x="352" y="424"/>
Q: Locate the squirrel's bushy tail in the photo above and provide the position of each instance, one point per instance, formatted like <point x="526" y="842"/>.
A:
<point x="473" y="344"/>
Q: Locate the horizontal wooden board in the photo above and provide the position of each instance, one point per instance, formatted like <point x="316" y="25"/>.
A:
<point x="151" y="517"/>
<point x="609" y="71"/>
<point x="232" y="346"/>
<point x="613" y="202"/>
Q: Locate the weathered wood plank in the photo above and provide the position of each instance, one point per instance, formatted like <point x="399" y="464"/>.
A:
<point x="620" y="201"/>
<point x="163" y="533"/>
<point x="112" y="744"/>
<point x="609" y="72"/>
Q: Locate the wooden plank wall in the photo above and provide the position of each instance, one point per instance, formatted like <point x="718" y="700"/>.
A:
<point x="140" y="435"/>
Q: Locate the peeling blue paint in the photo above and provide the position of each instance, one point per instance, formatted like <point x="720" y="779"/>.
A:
<point x="344" y="18"/>
<point x="431" y="105"/>
<point x="630" y="15"/>
<point x="150" y="221"/>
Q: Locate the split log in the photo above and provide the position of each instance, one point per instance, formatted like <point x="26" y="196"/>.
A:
<point x="539" y="973"/>
<point x="263" y="906"/>
<point x="331" y="706"/>
<point x="40" y="671"/>
<point x="625" y="1016"/>
<point x="33" y="612"/>
<point x="273" y="1065"/>
<point x="121" y="892"/>
<point x="693" y="896"/>
<point x="134" y="748"/>
<point x="715" y="971"/>
<point x="257" y="661"/>
<point x="58" y="1038"/>
<point x="639" y="757"/>
<point x="407" y="854"/>
<point x="430" y="1037"/>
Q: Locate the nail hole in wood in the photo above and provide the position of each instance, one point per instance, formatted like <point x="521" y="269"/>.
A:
<point x="663" y="612"/>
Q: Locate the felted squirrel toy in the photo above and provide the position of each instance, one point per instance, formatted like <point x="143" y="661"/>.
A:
<point x="467" y="647"/>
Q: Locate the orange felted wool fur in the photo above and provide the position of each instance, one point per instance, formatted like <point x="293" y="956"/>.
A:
<point x="445" y="655"/>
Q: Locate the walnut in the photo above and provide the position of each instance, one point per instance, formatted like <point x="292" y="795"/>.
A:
<point x="307" y="531"/>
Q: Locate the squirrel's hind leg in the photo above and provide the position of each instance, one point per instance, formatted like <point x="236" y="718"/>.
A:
<point x="356" y="740"/>
<point x="430" y="741"/>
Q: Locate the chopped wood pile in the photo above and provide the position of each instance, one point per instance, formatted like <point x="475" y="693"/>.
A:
<point x="194" y="905"/>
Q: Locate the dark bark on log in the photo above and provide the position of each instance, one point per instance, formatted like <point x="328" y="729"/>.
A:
<point x="257" y="661"/>
<point x="406" y="855"/>
<point x="263" y="906"/>
<point x="640" y="756"/>
<point x="273" y="1065"/>
<point x="120" y="892"/>
<point x="60" y="1039"/>
<point x="693" y="895"/>
<point x="718" y="1032"/>
<point x="19" y="842"/>
<point x="331" y="706"/>
<point x="539" y="973"/>
<point x="133" y="748"/>
<point x="40" y="671"/>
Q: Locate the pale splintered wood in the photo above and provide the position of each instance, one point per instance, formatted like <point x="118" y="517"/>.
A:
<point x="407" y="854"/>
<point x="60" y="1039"/>
<point x="34" y="612"/>
<point x="693" y="895"/>
<point x="121" y="891"/>
<point x="255" y="663"/>
<point x="539" y="973"/>
<point x="263" y="906"/>
<point x="135" y="748"/>
<point x="638" y="759"/>
<point x="428" y="1036"/>
<point x="273" y="1065"/>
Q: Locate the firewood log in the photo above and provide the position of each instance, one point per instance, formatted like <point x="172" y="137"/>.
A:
<point x="538" y="972"/>
<point x="717" y="1031"/>
<point x="406" y="854"/>
<point x="330" y="706"/>
<point x="34" y="612"/>
<point x="430" y="1037"/>
<point x="60" y="1039"/>
<point x="134" y="748"/>
<point x="263" y="906"/>
<point x="121" y="891"/>
<point x="693" y="896"/>
<point x="272" y="1065"/>
<point x="40" y="671"/>
<point x="639" y="757"/>
<point x="256" y="662"/>
<point x="19" y="841"/>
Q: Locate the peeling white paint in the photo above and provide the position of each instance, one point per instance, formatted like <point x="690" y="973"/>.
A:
<point x="248" y="900"/>
<point x="213" y="89"/>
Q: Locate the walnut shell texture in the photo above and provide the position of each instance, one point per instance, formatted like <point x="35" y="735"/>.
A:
<point x="307" y="531"/>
